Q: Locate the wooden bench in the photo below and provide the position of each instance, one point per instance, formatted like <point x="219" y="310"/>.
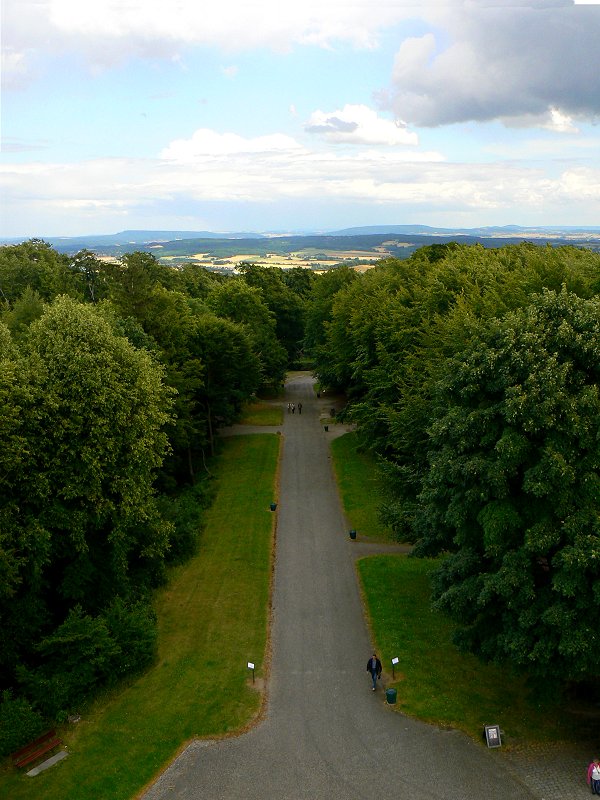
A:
<point x="36" y="749"/>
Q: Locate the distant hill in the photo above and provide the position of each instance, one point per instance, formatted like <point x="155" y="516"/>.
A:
<point x="358" y="245"/>
<point x="494" y="231"/>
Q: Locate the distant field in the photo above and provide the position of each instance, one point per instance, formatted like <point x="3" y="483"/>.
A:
<point x="310" y="258"/>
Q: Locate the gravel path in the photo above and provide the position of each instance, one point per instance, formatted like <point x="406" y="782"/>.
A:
<point x="325" y="734"/>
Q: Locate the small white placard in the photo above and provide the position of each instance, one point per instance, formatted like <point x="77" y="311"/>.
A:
<point x="250" y="665"/>
<point x="395" y="660"/>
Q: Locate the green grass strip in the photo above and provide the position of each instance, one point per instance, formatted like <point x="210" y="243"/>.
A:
<point x="357" y="481"/>
<point x="262" y="414"/>
<point x="213" y="619"/>
<point x="436" y="682"/>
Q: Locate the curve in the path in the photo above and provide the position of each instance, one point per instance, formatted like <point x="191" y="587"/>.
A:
<point x="326" y="734"/>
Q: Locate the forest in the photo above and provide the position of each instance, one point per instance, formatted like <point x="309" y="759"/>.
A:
<point x="471" y="374"/>
<point x="114" y="380"/>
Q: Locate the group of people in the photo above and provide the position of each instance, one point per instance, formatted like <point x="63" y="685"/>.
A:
<point x="292" y="408"/>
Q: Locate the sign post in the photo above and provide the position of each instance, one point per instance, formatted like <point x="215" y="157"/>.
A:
<point x="394" y="662"/>
<point x="251" y="666"/>
<point x="492" y="735"/>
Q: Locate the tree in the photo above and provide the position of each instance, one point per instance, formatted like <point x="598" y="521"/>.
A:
<point x="320" y="305"/>
<point x="231" y="370"/>
<point x="24" y="311"/>
<point x="34" y="264"/>
<point x="513" y="488"/>
<point x="286" y="306"/>
<point x="244" y="304"/>
<point x="98" y="429"/>
<point x="95" y="277"/>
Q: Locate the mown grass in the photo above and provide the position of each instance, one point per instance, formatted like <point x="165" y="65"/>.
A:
<point x="436" y="682"/>
<point x="359" y="489"/>
<point x="213" y="619"/>
<point x="262" y="414"/>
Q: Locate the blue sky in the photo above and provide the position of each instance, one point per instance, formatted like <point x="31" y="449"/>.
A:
<point x="279" y="116"/>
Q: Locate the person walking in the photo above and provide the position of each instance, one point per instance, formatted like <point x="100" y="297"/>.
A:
<point x="375" y="668"/>
<point x="299" y="408"/>
<point x="289" y="408"/>
<point x="293" y="408"/>
<point x="593" y="776"/>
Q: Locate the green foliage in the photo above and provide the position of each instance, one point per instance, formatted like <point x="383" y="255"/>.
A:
<point x="34" y="265"/>
<point x="513" y="487"/>
<point x="237" y="301"/>
<point x="19" y="723"/>
<point x="473" y="375"/>
<point x="114" y="378"/>
<point x="86" y="652"/>
<point x="285" y="303"/>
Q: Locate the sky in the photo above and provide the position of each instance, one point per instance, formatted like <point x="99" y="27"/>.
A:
<point x="297" y="116"/>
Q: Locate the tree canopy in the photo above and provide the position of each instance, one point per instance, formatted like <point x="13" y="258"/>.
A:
<point x="472" y="374"/>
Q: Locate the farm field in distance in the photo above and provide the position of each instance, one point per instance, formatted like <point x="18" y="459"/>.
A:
<point x="360" y="248"/>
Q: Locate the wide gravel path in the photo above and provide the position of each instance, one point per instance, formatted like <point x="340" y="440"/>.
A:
<point x="325" y="734"/>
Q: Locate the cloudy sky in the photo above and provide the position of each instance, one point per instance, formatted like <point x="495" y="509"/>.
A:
<point x="291" y="116"/>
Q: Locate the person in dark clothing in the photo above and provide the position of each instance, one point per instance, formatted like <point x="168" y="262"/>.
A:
<point x="299" y="408"/>
<point x="374" y="667"/>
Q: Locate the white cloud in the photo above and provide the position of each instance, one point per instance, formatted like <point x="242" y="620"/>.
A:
<point x="358" y="124"/>
<point x="110" y="32"/>
<point x="206" y="143"/>
<point x="476" y="59"/>
<point x="230" y="71"/>
<point x="225" y="169"/>
<point x="536" y="62"/>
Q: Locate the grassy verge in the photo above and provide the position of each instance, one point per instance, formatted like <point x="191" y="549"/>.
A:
<point x="213" y="619"/>
<point x="357" y="483"/>
<point x="262" y="414"/>
<point x="436" y="682"/>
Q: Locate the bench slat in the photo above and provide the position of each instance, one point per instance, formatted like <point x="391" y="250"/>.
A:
<point x="33" y="753"/>
<point x="40" y="740"/>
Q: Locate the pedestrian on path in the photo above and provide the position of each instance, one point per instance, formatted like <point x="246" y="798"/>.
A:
<point x="593" y="776"/>
<point x="299" y="408"/>
<point x="293" y="408"/>
<point x="374" y="667"/>
<point x="289" y="407"/>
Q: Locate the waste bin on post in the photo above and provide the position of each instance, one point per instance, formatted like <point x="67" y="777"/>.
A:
<point x="352" y="534"/>
<point x="273" y="506"/>
<point x="390" y="696"/>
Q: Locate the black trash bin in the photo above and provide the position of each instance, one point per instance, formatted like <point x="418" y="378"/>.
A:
<point x="273" y="506"/>
<point x="390" y="696"/>
<point x="352" y="534"/>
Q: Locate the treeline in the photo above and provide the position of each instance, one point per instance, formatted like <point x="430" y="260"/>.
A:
<point x="114" y="378"/>
<point x="473" y="375"/>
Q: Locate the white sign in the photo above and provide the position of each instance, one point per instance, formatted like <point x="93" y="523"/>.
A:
<point x="250" y="665"/>
<point x="395" y="660"/>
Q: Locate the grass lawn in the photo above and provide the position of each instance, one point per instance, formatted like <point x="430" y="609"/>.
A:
<point x="357" y="482"/>
<point x="262" y="414"/>
<point x="213" y="619"/>
<point x="436" y="682"/>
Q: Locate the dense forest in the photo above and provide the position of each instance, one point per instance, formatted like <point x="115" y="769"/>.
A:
<point x="471" y="374"/>
<point x="114" y="380"/>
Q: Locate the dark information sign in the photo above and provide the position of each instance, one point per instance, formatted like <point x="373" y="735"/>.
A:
<point x="492" y="735"/>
